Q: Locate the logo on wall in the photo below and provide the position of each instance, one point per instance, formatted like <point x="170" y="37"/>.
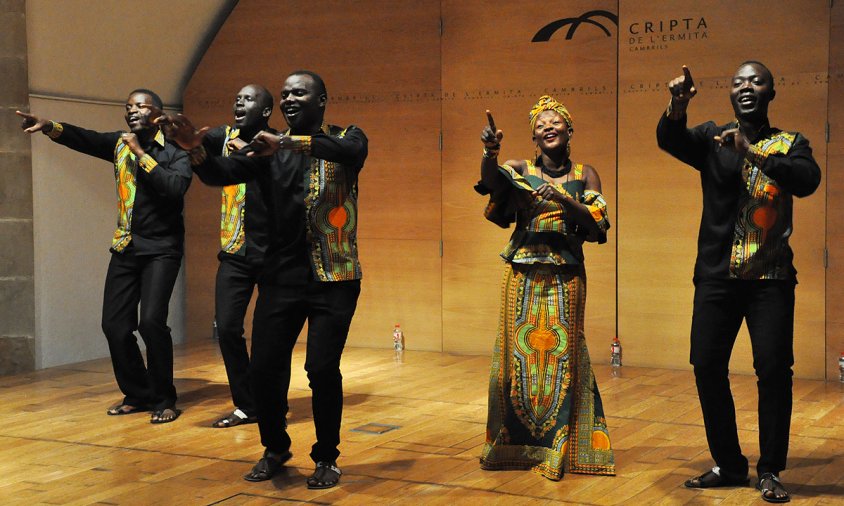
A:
<point x="546" y="32"/>
<point x="656" y="34"/>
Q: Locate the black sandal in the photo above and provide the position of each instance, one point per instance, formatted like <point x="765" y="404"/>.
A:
<point x="267" y="467"/>
<point x="711" y="479"/>
<point x="233" y="420"/>
<point x="165" y="415"/>
<point x="326" y="475"/>
<point x="771" y="488"/>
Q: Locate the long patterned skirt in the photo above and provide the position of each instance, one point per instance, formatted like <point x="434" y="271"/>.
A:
<point x="545" y="412"/>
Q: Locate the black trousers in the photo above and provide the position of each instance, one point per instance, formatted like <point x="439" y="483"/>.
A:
<point x="768" y="308"/>
<point x="280" y="314"/>
<point x="236" y="279"/>
<point x="146" y="280"/>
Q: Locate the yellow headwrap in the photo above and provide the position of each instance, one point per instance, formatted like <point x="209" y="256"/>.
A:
<point x="547" y="103"/>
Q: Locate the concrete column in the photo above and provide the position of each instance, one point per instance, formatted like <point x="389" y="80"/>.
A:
<point x="17" y="297"/>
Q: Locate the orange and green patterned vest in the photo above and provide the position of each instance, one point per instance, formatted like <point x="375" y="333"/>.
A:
<point x="233" y="211"/>
<point x="331" y="208"/>
<point x="125" y="165"/>
<point x="760" y="247"/>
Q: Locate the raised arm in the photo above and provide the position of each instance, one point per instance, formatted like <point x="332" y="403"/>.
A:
<point x="682" y="89"/>
<point x="672" y="135"/>
<point x="491" y="177"/>
<point x="89" y="142"/>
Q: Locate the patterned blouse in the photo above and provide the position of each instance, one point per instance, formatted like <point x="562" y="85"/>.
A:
<point x="543" y="232"/>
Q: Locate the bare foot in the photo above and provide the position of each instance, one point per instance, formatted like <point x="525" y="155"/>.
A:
<point x="124" y="409"/>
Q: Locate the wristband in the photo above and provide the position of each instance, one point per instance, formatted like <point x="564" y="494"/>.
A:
<point x="55" y="130"/>
<point x="300" y="143"/>
<point x="147" y="162"/>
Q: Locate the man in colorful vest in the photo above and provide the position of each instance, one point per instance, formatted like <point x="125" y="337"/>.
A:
<point x="308" y="176"/>
<point x="749" y="172"/>
<point x="243" y="242"/>
<point x="152" y="177"/>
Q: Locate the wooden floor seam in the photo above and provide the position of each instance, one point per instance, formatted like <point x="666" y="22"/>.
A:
<point x="57" y="446"/>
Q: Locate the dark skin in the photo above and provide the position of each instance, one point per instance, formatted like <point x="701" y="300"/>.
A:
<point x="751" y="92"/>
<point x="252" y="110"/>
<point x="179" y="129"/>
<point x="551" y="135"/>
<point x="140" y="116"/>
<point x="302" y="104"/>
<point x="303" y="107"/>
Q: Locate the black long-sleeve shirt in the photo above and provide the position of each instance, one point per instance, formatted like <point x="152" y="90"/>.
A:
<point x="254" y="216"/>
<point x="150" y="190"/>
<point x="311" y="198"/>
<point x="747" y="201"/>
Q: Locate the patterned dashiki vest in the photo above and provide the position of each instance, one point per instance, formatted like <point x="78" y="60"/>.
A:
<point x="125" y="165"/>
<point x="760" y="248"/>
<point x="233" y="211"/>
<point x="331" y="207"/>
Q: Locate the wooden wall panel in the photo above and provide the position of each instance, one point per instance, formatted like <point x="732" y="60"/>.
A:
<point x="835" y="196"/>
<point x="489" y="62"/>
<point x="659" y="197"/>
<point x="389" y="71"/>
<point x="381" y="66"/>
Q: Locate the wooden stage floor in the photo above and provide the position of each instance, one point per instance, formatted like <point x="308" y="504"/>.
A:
<point x="57" y="446"/>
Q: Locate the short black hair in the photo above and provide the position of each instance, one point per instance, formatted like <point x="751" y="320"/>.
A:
<point x="262" y="95"/>
<point x="317" y="79"/>
<point x="760" y="64"/>
<point x="265" y="97"/>
<point x="156" y="100"/>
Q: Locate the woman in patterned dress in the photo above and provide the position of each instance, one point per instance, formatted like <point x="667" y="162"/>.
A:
<point x="545" y="412"/>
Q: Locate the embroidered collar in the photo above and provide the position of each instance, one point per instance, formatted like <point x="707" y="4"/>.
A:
<point x="159" y="137"/>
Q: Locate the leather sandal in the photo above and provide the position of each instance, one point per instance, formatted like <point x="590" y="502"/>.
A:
<point x="772" y="488"/>
<point x="165" y="415"/>
<point x="713" y="479"/>
<point x="233" y="419"/>
<point x="267" y="467"/>
<point x="326" y="475"/>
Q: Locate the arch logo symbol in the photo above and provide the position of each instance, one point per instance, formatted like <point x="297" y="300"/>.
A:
<point x="546" y="32"/>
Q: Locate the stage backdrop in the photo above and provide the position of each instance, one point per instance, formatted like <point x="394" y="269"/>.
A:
<point x="417" y="78"/>
<point x="835" y="194"/>
<point x="660" y="198"/>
